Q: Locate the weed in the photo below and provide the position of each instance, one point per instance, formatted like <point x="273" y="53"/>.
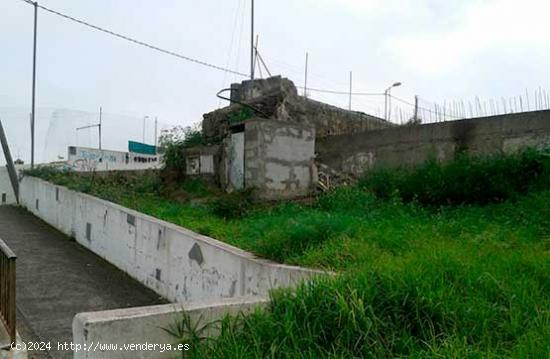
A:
<point x="468" y="179"/>
<point x="232" y="205"/>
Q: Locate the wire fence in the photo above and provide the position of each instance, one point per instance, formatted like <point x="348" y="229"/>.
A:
<point x="534" y="100"/>
<point x="421" y="110"/>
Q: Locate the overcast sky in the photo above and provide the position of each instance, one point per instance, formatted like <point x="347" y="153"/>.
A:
<point x="440" y="50"/>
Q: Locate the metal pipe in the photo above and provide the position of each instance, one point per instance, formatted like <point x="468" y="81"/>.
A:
<point x="305" y="81"/>
<point x="156" y="133"/>
<point x="100" y="123"/>
<point x="350" y="88"/>
<point x="33" y="110"/>
<point x="252" y="42"/>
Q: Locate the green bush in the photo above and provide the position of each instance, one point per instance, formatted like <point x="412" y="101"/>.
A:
<point x="466" y="180"/>
<point x="199" y="188"/>
<point x="175" y="140"/>
<point x="232" y="205"/>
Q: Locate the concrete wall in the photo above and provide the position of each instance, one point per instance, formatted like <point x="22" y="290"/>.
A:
<point x="412" y="145"/>
<point x="279" y="159"/>
<point x="6" y="190"/>
<point x="178" y="264"/>
<point x="277" y="98"/>
<point x="7" y="196"/>
<point x="328" y="120"/>
<point x="145" y="325"/>
<point x="84" y="159"/>
<point x="202" y="160"/>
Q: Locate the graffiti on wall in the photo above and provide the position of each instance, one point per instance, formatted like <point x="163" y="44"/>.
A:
<point x="86" y="160"/>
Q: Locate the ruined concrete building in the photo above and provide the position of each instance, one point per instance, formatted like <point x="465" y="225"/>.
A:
<point x="285" y="145"/>
<point x="266" y="139"/>
<point x="276" y="98"/>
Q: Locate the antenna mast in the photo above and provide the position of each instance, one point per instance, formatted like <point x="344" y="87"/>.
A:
<point x="252" y="42"/>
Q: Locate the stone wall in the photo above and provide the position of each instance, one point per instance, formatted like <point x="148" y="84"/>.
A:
<point x="279" y="159"/>
<point x="328" y="120"/>
<point x="276" y="98"/>
<point x="412" y="145"/>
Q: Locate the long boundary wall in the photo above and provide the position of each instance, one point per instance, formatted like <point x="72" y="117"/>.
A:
<point x="412" y="145"/>
<point x="179" y="264"/>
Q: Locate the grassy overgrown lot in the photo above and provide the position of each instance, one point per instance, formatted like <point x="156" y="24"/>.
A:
<point x="444" y="261"/>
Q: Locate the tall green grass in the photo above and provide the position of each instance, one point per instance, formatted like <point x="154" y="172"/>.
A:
<point x="467" y="179"/>
<point x="446" y="261"/>
<point x="465" y="282"/>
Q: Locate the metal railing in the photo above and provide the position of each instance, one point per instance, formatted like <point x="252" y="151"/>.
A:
<point x="7" y="289"/>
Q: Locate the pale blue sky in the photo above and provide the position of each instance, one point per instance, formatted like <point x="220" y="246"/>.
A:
<point x="440" y="50"/>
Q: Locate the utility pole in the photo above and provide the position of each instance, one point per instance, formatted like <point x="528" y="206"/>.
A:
<point x="156" y="126"/>
<point x="144" y="119"/>
<point x="386" y="105"/>
<point x="387" y="101"/>
<point x="33" y="112"/>
<point x="350" y="85"/>
<point x="256" y="56"/>
<point x="415" y="109"/>
<point x="305" y="81"/>
<point x="99" y="126"/>
<point x="252" y="42"/>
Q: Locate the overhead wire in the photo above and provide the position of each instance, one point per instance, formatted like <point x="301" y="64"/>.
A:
<point x="230" y="51"/>
<point x="420" y="107"/>
<point x="210" y="65"/>
<point x="136" y="41"/>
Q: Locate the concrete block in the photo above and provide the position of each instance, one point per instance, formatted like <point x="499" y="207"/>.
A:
<point x="144" y="327"/>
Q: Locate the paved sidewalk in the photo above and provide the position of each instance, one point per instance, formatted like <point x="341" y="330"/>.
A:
<point x="57" y="278"/>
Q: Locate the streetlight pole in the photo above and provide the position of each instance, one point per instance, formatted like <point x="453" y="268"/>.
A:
<point x="33" y="83"/>
<point x="387" y="101"/>
<point x="305" y="80"/>
<point x="252" y="41"/>
<point x="144" y="119"/>
<point x="156" y="126"/>
<point x="99" y="126"/>
<point x="350" y="88"/>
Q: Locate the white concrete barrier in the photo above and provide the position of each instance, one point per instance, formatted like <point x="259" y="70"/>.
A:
<point x="140" y="332"/>
<point x="178" y="264"/>
<point x="7" y="196"/>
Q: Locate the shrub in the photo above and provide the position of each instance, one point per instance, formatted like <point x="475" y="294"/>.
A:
<point x="199" y="188"/>
<point x="174" y="140"/>
<point x="232" y="205"/>
<point x="346" y="199"/>
<point x="467" y="179"/>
